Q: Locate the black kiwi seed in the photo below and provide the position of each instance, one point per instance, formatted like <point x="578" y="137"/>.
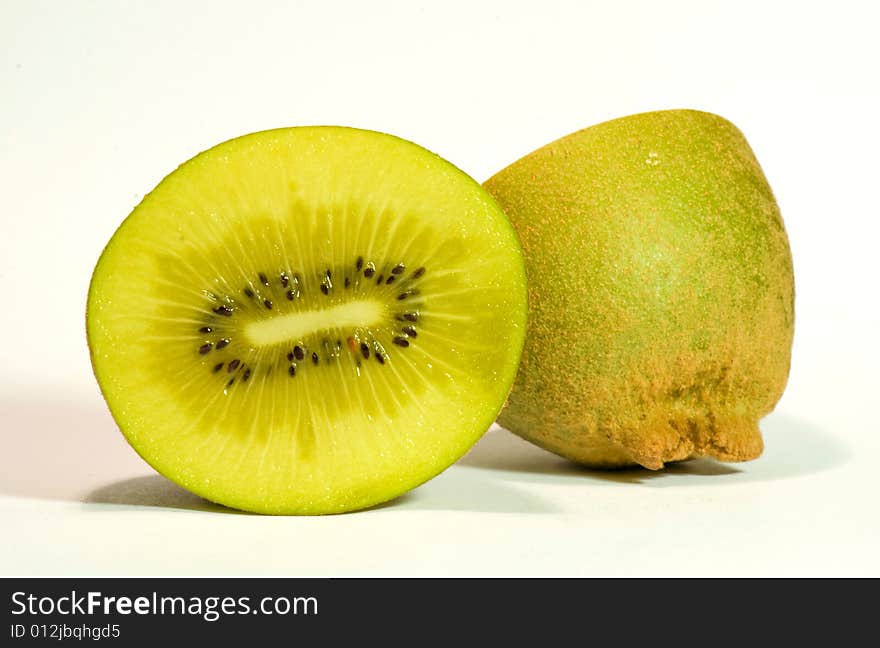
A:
<point x="401" y="341"/>
<point x="231" y="381"/>
<point x="315" y="358"/>
<point x="325" y="289"/>
<point x="370" y="270"/>
<point x="223" y="310"/>
<point x="217" y="367"/>
<point x="405" y="294"/>
<point x="379" y="352"/>
<point x="246" y="375"/>
<point x="365" y="350"/>
<point x="390" y="280"/>
<point x="359" y="263"/>
<point x="398" y="268"/>
<point x="267" y="303"/>
<point x="263" y="279"/>
<point x="298" y="353"/>
<point x="205" y="348"/>
<point x="380" y="278"/>
<point x="248" y="292"/>
<point x="206" y="329"/>
<point x="292" y="370"/>
<point x="290" y="356"/>
<point x="224" y="342"/>
<point x="290" y="295"/>
<point x="233" y="365"/>
<point x="410" y="331"/>
<point x="418" y="273"/>
<point x="347" y="282"/>
<point x="411" y="317"/>
<point x="284" y="280"/>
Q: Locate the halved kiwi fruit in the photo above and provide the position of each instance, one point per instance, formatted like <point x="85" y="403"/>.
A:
<point x="308" y="320"/>
<point x="661" y="294"/>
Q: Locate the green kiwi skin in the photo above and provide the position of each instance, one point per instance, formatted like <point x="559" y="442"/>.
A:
<point x="661" y="292"/>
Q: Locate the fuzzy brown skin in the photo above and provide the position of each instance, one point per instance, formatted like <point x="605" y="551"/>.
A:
<point x="661" y="295"/>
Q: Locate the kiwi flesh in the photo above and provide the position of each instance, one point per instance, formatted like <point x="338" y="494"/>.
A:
<point x="308" y="320"/>
<point x="661" y="293"/>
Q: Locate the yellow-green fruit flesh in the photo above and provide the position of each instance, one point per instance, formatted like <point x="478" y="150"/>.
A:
<point x="308" y="320"/>
<point x="661" y="295"/>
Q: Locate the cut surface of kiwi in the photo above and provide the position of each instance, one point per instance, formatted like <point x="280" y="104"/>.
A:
<point x="308" y="320"/>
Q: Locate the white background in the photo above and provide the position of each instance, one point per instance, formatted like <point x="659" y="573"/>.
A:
<point x="99" y="100"/>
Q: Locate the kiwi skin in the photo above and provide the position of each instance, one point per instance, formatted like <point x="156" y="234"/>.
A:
<point x="661" y="292"/>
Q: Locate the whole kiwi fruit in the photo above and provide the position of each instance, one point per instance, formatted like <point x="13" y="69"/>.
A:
<point x="661" y="292"/>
